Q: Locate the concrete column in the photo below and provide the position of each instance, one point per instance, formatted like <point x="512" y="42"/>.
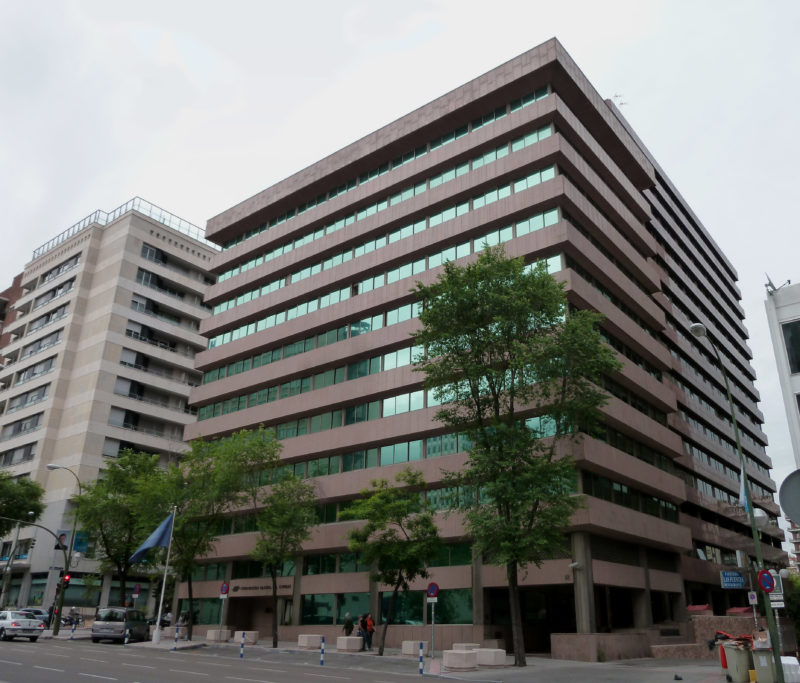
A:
<point x="297" y="592"/>
<point x="105" y="590"/>
<point x="226" y="601"/>
<point x="642" y="608"/>
<point x="583" y="583"/>
<point x="477" y="591"/>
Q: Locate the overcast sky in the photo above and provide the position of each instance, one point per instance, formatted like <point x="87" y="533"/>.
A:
<point x="197" y="105"/>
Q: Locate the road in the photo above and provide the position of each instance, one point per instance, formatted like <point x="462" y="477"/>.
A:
<point x="64" y="661"/>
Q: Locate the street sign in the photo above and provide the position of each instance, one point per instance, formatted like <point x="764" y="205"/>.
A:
<point x="766" y="581"/>
<point x="732" y="579"/>
<point x="752" y="598"/>
<point x="432" y="601"/>
<point x="223" y="590"/>
<point x="433" y="590"/>
<point x="777" y="604"/>
<point x="777" y="593"/>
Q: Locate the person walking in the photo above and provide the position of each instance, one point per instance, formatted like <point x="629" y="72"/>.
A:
<point x="348" y="624"/>
<point x="362" y="631"/>
<point x="370" y="630"/>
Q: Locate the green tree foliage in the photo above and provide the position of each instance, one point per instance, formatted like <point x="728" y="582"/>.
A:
<point x="287" y="512"/>
<point x="18" y="498"/>
<point x="212" y="480"/>
<point x="517" y="373"/>
<point x="116" y="511"/>
<point x="398" y="536"/>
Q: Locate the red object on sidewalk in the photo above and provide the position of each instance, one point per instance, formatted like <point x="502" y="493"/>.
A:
<point x="722" y="658"/>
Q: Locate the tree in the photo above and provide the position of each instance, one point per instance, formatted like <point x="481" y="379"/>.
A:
<point x="398" y="536"/>
<point x="18" y="498"/>
<point x="116" y="513"/>
<point x="286" y="515"/>
<point x="517" y="373"/>
<point x="211" y="480"/>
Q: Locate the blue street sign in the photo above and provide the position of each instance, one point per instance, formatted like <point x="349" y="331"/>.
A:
<point x="732" y="579"/>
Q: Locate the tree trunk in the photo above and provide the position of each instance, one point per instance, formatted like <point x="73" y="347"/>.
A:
<point x="123" y="580"/>
<point x="190" y="620"/>
<point x="516" y="615"/>
<point x="389" y="616"/>
<point x="274" y="577"/>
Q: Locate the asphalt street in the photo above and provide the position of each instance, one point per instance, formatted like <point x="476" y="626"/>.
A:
<point x="61" y="660"/>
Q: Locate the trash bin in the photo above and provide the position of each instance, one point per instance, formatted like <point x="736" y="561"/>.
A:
<point x="740" y="661"/>
<point x="764" y="665"/>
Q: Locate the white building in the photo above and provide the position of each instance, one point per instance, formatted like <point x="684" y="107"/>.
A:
<point x="99" y="353"/>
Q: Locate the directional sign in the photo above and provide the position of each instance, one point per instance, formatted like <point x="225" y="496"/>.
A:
<point x="766" y="581"/>
<point x="732" y="579"/>
<point x="433" y="590"/>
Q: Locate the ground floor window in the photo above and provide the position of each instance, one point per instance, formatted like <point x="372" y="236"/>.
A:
<point x="407" y="608"/>
<point x="318" y="608"/>
<point x="206" y="610"/>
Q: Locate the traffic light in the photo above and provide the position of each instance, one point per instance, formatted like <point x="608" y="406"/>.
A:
<point x="67" y="577"/>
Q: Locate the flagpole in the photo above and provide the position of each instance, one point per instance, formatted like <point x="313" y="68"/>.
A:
<point x="157" y="632"/>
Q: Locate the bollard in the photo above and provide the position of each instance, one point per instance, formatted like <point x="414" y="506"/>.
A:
<point x="241" y="647"/>
<point x="127" y="634"/>
<point x="322" y="652"/>
<point x="421" y="659"/>
<point x="175" y="643"/>
<point x="72" y="632"/>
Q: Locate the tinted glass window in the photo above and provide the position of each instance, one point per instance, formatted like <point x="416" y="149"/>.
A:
<point x="791" y="337"/>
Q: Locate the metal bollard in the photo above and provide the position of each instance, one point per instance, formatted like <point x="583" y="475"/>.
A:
<point x="241" y="647"/>
<point x="322" y="652"/>
<point x="127" y="634"/>
<point x="72" y="632"/>
<point x="421" y="659"/>
<point x="175" y="643"/>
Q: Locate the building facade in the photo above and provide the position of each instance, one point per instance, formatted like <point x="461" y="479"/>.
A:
<point x="99" y="356"/>
<point x="783" y="317"/>
<point x="312" y="313"/>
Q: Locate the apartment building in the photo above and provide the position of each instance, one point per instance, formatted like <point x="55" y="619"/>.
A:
<point x="99" y="356"/>
<point x="312" y="313"/>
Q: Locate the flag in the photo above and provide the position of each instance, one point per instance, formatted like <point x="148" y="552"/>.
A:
<point x="160" y="538"/>
<point x="743" y="501"/>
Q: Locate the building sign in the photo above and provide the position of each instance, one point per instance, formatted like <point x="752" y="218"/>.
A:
<point x="732" y="579"/>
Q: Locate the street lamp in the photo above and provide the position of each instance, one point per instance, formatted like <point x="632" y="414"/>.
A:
<point x="62" y="587"/>
<point x="10" y="564"/>
<point x="699" y="331"/>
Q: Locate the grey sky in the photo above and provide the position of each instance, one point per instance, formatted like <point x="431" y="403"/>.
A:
<point x="197" y="105"/>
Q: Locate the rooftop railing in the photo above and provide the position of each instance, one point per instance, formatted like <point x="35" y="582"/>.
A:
<point x="136" y="204"/>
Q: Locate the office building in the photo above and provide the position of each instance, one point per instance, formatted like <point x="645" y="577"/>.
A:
<point x="312" y="313"/>
<point x="99" y="356"/>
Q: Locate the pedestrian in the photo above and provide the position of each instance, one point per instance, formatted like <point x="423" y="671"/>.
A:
<point x="362" y="631"/>
<point x="348" y="624"/>
<point x="370" y="630"/>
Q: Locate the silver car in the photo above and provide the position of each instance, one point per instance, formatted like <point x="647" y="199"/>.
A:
<point x="19" y="625"/>
<point x="112" y="623"/>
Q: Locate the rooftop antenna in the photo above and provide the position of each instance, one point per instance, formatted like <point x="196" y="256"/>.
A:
<point x="771" y="288"/>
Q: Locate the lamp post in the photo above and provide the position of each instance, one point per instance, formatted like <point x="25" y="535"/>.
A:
<point x="62" y="588"/>
<point x="699" y="331"/>
<point x="10" y="565"/>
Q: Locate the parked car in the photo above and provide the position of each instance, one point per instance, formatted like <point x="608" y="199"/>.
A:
<point x="38" y="613"/>
<point x="15" y="624"/>
<point x="112" y="622"/>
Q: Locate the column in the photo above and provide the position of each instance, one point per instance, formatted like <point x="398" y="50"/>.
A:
<point x="583" y="582"/>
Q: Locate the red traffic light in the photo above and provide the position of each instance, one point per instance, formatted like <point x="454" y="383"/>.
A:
<point x="67" y="577"/>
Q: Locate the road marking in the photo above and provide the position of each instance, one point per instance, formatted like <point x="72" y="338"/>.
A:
<point x="47" y="668"/>
<point x="184" y="671"/>
<point x="263" y="668"/>
<point x="107" y="678"/>
<point x="6" y="661"/>
<point x="251" y="680"/>
<point x="89" y="659"/>
<point x="140" y="666"/>
<point x="343" y="678"/>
